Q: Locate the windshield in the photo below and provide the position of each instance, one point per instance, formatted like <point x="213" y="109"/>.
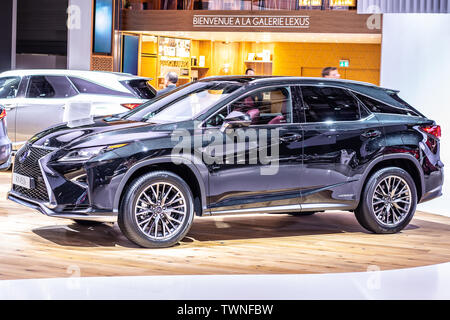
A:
<point x="8" y="87"/>
<point x="186" y="103"/>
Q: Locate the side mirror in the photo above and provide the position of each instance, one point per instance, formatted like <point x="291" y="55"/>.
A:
<point x="236" y="119"/>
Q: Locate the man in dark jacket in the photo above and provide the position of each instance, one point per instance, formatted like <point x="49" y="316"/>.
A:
<point x="170" y="83"/>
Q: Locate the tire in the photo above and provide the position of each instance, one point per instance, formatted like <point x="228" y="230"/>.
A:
<point x="149" y="224"/>
<point x="388" y="201"/>
<point x="304" y="213"/>
<point x="87" y="223"/>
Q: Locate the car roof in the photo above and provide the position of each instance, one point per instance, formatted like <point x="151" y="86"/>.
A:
<point x="305" y="80"/>
<point x="102" y="78"/>
<point x="100" y="75"/>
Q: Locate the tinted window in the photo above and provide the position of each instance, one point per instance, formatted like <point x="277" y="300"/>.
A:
<point x="321" y="104"/>
<point x="39" y="87"/>
<point x="63" y="87"/>
<point x="141" y="88"/>
<point x="267" y="106"/>
<point x="50" y="87"/>
<point x="9" y="87"/>
<point x="85" y="86"/>
<point x="379" y="107"/>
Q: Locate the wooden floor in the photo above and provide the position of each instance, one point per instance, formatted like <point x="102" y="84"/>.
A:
<point x="35" y="246"/>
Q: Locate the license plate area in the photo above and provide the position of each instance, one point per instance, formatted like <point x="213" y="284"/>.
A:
<point x="23" y="181"/>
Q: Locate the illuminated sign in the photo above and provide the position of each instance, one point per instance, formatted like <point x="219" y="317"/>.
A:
<point x="342" y="3"/>
<point x="310" y="3"/>
<point x="103" y="26"/>
<point x="251" y="21"/>
<point x="344" y="63"/>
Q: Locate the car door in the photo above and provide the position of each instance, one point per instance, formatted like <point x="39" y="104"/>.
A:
<point x="247" y="180"/>
<point x="340" y="139"/>
<point x="43" y="105"/>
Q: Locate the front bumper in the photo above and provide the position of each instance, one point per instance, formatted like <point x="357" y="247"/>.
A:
<point x="46" y="208"/>
<point x="53" y="194"/>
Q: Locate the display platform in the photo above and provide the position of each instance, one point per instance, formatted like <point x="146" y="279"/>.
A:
<point x="36" y="246"/>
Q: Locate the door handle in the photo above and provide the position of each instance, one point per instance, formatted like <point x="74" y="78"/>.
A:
<point x="291" y="137"/>
<point x="371" y="134"/>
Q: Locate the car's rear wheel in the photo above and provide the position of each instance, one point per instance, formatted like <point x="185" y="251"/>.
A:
<point x="157" y="210"/>
<point x="388" y="201"/>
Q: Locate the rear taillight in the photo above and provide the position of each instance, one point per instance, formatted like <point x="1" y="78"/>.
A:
<point x="433" y="130"/>
<point x="2" y="113"/>
<point x="130" y="106"/>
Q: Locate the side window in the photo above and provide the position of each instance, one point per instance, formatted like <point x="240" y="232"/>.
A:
<point x="267" y="106"/>
<point x="321" y="104"/>
<point x="88" y="87"/>
<point x="50" y="87"/>
<point x="9" y="87"/>
<point x="379" y="107"/>
<point x="39" y="87"/>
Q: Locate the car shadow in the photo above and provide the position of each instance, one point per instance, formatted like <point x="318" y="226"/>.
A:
<point x="75" y="235"/>
<point x="214" y="229"/>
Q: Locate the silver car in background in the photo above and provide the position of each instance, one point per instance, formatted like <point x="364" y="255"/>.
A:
<point x="38" y="99"/>
<point x="5" y="143"/>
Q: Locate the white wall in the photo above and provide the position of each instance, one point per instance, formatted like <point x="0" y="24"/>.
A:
<point x="40" y="61"/>
<point x="416" y="60"/>
<point x="79" y="35"/>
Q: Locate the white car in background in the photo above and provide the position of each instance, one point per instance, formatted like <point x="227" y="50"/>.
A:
<point x="37" y="99"/>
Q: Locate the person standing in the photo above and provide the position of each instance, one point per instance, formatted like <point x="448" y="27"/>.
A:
<point x="170" y="83"/>
<point x="331" y="73"/>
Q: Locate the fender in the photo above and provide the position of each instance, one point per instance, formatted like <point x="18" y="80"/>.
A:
<point x="393" y="156"/>
<point x="198" y="169"/>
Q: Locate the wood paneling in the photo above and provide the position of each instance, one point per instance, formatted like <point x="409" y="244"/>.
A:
<point x="35" y="246"/>
<point x="327" y="21"/>
<point x="298" y="59"/>
<point x="308" y="59"/>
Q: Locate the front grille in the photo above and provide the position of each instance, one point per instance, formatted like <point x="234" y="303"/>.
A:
<point x="30" y="168"/>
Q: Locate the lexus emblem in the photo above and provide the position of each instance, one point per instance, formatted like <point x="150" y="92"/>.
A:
<point x="24" y="156"/>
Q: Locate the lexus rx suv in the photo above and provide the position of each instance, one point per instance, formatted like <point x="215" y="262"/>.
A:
<point x="234" y="145"/>
<point x="38" y="99"/>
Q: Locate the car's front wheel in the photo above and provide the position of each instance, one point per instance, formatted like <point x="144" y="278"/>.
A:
<point x="157" y="210"/>
<point x="388" y="201"/>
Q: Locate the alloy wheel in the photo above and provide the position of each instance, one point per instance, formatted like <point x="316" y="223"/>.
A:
<point x="391" y="201"/>
<point x="160" y="210"/>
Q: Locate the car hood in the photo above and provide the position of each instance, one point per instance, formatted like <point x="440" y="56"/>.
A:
<point x="99" y="132"/>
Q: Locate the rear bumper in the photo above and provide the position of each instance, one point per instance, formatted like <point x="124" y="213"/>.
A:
<point x="5" y="153"/>
<point x="48" y="210"/>
<point x="433" y="185"/>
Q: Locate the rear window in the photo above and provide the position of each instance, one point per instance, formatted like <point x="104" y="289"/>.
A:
<point x="380" y="107"/>
<point x="88" y="87"/>
<point x="141" y="88"/>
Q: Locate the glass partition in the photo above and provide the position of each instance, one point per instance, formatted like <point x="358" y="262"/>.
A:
<point x="239" y="4"/>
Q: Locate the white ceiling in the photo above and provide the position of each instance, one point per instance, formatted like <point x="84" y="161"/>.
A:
<point x="269" y="36"/>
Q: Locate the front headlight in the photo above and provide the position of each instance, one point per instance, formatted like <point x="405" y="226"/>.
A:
<point x="81" y="154"/>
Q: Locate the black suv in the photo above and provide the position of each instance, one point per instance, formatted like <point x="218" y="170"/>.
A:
<point x="226" y="145"/>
